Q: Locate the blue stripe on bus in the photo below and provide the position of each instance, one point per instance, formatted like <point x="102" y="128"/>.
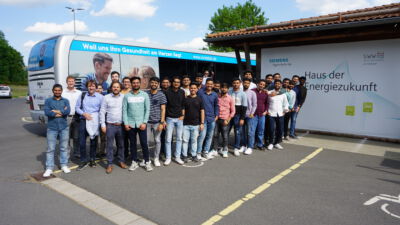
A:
<point x="131" y="50"/>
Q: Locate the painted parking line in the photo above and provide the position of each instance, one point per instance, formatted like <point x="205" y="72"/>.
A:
<point x="234" y="206"/>
<point x="95" y="203"/>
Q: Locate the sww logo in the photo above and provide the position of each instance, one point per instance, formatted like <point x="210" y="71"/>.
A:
<point x="373" y="58"/>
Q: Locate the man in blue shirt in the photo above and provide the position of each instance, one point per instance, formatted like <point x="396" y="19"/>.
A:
<point x="102" y="63"/>
<point x="88" y="107"/>
<point x="57" y="109"/>
<point x="210" y="102"/>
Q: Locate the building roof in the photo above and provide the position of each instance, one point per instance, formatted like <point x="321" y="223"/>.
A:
<point x="359" y="15"/>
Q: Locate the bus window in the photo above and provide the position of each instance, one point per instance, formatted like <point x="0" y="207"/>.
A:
<point x="42" y="55"/>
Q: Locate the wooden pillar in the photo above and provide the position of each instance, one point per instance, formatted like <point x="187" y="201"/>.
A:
<point x="258" y="74"/>
<point x="239" y="62"/>
<point x="247" y="55"/>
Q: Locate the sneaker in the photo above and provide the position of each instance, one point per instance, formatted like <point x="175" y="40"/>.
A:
<point x="167" y="162"/>
<point x="186" y="159"/>
<point x="278" y="146"/>
<point x="201" y="158"/>
<point x="209" y="155"/>
<point x="83" y="166"/>
<point x="47" y="173"/>
<point x="179" y="161"/>
<point x="225" y="154"/>
<point x="215" y="153"/>
<point x="133" y="166"/>
<point x="65" y="169"/>
<point x="92" y="164"/>
<point x="286" y="138"/>
<point x="142" y="163"/>
<point x="242" y="149"/>
<point x="236" y="152"/>
<point x="220" y="151"/>
<point x="148" y="166"/>
<point x="157" y="162"/>
<point x="248" y="151"/>
<point x="260" y="148"/>
<point x="293" y="136"/>
<point x="270" y="146"/>
<point x="195" y="159"/>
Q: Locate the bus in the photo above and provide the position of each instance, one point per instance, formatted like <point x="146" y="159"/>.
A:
<point x="53" y="59"/>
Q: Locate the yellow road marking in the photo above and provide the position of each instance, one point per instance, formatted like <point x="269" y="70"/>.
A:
<point x="258" y="190"/>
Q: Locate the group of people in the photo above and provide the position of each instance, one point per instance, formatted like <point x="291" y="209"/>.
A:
<point x="201" y="112"/>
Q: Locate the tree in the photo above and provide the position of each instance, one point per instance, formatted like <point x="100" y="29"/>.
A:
<point x="233" y="18"/>
<point x="12" y="68"/>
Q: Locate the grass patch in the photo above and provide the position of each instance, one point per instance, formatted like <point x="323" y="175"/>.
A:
<point x="18" y="90"/>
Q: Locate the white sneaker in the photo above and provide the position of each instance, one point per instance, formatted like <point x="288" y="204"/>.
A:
<point x="47" y="173"/>
<point x="167" y="162"/>
<point x="248" y="151"/>
<point x="236" y="152"/>
<point x="142" y="163"/>
<point x="157" y="162"/>
<point x="65" y="169"/>
<point x="224" y="154"/>
<point x="200" y="158"/>
<point x="214" y="153"/>
<point x="242" y="149"/>
<point x="270" y="146"/>
<point x="179" y="161"/>
<point x="133" y="166"/>
<point x="148" y="166"/>
<point x="210" y="155"/>
<point x="278" y="146"/>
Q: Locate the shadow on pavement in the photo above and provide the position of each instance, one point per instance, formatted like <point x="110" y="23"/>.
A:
<point x="391" y="181"/>
<point x="36" y="128"/>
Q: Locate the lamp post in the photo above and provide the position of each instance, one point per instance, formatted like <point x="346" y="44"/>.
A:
<point x="73" y="10"/>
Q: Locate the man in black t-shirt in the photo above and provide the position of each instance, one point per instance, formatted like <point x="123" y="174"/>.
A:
<point x="193" y="122"/>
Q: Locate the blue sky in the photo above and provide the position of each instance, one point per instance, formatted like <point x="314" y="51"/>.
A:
<point x="179" y="23"/>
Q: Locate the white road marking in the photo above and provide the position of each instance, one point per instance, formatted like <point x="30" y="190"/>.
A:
<point x="384" y="197"/>
<point x="95" y="203"/>
<point x="194" y="166"/>
<point x="27" y="119"/>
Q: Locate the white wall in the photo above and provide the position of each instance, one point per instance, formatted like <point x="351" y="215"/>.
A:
<point x="373" y="66"/>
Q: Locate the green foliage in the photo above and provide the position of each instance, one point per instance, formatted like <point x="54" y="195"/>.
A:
<point x="12" y="68"/>
<point x="233" y="18"/>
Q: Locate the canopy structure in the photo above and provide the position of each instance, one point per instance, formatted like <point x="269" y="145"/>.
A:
<point x="376" y="23"/>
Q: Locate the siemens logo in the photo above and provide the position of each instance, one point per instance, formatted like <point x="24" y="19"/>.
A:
<point x="279" y="60"/>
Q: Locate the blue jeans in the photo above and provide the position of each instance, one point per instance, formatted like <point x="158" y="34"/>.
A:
<point x="171" y="124"/>
<point x="259" y="122"/>
<point x="82" y="141"/>
<point x="51" y="147"/>
<point x="238" y="130"/>
<point x="190" y="133"/>
<point x="132" y="133"/>
<point x="249" y="130"/>
<point x="293" y="117"/>
<point x="206" y="136"/>
<point x="114" y="132"/>
<point x="275" y="129"/>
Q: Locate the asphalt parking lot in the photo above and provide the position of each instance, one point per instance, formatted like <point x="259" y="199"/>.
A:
<point x="331" y="187"/>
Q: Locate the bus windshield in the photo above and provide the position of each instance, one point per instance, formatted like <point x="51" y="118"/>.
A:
<point x="42" y="55"/>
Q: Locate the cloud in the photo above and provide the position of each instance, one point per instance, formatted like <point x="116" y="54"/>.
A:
<point x="195" y="43"/>
<point x="145" y="40"/>
<point x="137" y="9"/>
<point x="104" y="34"/>
<point x="329" y="6"/>
<point x="53" y="28"/>
<point x="29" y="44"/>
<point x="40" y="3"/>
<point x="176" y="26"/>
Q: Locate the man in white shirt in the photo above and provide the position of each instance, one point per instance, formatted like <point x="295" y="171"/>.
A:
<point x="111" y="125"/>
<point x="72" y="94"/>
<point x="278" y="106"/>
